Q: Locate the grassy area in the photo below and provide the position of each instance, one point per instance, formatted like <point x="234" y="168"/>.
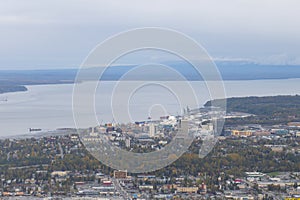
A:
<point x="273" y="174"/>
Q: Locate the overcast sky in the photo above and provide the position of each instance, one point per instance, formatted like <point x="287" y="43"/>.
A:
<point x="60" y="34"/>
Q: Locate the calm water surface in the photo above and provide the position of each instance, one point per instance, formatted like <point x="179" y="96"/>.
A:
<point x="50" y="106"/>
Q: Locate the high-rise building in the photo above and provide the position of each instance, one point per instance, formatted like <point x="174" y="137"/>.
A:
<point x="152" y="130"/>
<point x="127" y="143"/>
<point x="93" y="133"/>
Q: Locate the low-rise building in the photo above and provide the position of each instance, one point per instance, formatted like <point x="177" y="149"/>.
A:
<point x="245" y="133"/>
<point x="187" y="189"/>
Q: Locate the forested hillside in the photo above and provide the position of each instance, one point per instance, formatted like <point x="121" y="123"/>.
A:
<point x="268" y="110"/>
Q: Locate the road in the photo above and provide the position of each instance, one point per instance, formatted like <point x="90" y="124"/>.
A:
<point x="120" y="189"/>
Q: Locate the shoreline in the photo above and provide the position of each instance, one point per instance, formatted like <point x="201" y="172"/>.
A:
<point x="25" y="86"/>
<point x="50" y="107"/>
<point x="40" y="134"/>
<point x="72" y="130"/>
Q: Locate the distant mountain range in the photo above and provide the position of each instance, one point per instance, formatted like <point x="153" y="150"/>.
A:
<point x="14" y="80"/>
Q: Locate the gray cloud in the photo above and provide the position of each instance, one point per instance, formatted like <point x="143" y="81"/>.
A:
<point x="52" y="33"/>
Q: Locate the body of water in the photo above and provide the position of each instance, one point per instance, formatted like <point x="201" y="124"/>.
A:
<point x="50" y="106"/>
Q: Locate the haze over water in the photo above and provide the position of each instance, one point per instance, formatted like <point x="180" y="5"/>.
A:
<point x="50" y="106"/>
